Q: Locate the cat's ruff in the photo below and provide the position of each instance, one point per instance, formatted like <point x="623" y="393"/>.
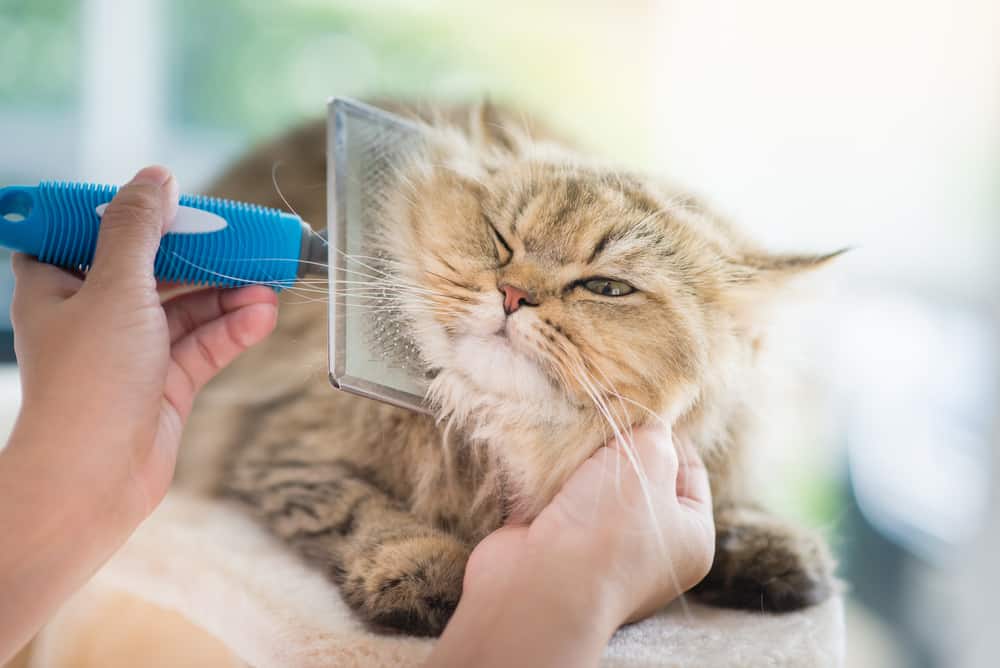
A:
<point x="222" y="571"/>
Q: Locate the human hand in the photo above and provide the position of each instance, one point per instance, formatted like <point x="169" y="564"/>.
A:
<point x="602" y="550"/>
<point x="613" y="546"/>
<point x="109" y="374"/>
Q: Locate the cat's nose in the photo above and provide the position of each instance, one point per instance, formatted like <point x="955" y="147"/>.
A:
<point x="515" y="297"/>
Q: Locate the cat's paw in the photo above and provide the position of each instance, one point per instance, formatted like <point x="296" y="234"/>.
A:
<point x="764" y="564"/>
<point x="410" y="585"/>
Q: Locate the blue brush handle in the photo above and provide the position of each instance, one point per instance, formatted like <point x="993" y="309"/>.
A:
<point x="212" y="241"/>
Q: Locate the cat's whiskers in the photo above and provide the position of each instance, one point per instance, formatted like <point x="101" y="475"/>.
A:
<point x="278" y="259"/>
<point x="628" y="448"/>
<point x="377" y="258"/>
<point x="570" y="359"/>
<point x="307" y="300"/>
<point x="613" y="392"/>
<point x="396" y="309"/>
<point x="621" y="398"/>
<point x="356" y="259"/>
<point x="609" y="419"/>
<point x="405" y="294"/>
<point x="383" y="290"/>
<point x="277" y="189"/>
<point x="392" y="279"/>
<point x="604" y="437"/>
<point x="581" y="360"/>
<point x="387" y="284"/>
<point x="626" y="442"/>
<point x="285" y="285"/>
<point x="376" y="279"/>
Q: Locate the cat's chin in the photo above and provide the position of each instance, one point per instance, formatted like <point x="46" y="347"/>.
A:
<point x="490" y="388"/>
<point x="493" y="365"/>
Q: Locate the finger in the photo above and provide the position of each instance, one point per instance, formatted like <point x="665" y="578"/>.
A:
<point x="37" y="282"/>
<point x="131" y="227"/>
<point x="692" y="476"/>
<point x="199" y="355"/>
<point x="653" y="449"/>
<point x="190" y="311"/>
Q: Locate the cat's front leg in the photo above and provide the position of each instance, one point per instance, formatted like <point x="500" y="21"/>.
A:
<point x="402" y="574"/>
<point x="763" y="563"/>
<point x="393" y="569"/>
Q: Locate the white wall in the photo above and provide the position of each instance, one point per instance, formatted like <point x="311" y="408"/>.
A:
<point x="825" y="124"/>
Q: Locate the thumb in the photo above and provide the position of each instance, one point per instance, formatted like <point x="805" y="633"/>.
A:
<point x="131" y="228"/>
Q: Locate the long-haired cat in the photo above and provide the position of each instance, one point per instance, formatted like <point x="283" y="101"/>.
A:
<point x="554" y="300"/>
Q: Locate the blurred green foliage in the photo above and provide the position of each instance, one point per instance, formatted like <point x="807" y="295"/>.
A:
<point x="256" y="66"/>
<point x="249" y="68"/>
<point x="39" y="53"/>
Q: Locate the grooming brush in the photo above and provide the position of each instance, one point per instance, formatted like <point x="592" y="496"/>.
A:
<point x="222" y="243"/>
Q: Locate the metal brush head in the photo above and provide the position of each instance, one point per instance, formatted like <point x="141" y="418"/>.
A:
<point x="371" y="350"/>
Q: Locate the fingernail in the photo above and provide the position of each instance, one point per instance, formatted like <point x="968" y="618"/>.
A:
<point x="154" y="175"/>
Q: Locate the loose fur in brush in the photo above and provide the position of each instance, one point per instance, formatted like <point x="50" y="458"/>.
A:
<point x="626" y="302"/>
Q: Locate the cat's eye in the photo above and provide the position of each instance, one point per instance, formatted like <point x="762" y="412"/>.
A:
<point x="504" y="252"/>
<point x="607" y="287"/>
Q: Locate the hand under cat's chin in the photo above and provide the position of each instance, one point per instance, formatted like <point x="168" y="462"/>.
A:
<point x="588" y="556"/>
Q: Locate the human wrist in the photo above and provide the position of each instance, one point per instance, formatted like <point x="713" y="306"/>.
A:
<point x="586" y="567"/>
<point x="534" y="614"/>
<point x="72" y="476"/>
<point x="558" y="576"/>
<point x="62" y="536"/>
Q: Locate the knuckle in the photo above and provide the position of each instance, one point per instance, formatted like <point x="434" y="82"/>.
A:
<point x="702" y="546"/>
<point x="185" y="322"/>
<point x="134" y="201"/>
<point x="125" y="211"/>
<point x="143" y="193"/>
<point x="658" y="458"/>
<point x="206" y="353"/>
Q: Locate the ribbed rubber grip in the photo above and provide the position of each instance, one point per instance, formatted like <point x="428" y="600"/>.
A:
<point x="240" y="244"/>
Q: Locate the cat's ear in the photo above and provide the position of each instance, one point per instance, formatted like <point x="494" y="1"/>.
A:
<point x="781" y="266"/>
<point x="759" y="281"/>
<point x="490" y="130"/>
<point x="757" y="272"/>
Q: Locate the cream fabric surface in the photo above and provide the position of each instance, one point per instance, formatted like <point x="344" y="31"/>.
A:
<point x="229" y="578"/>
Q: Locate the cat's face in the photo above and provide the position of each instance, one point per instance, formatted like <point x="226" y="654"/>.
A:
<point x="544" y="288"/>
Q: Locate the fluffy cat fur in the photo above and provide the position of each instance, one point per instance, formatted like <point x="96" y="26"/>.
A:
<point x="388" y="503"/>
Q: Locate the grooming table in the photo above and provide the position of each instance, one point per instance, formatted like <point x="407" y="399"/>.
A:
<point x="201" y="584"/>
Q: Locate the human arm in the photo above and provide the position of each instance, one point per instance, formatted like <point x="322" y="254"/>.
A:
<point x="108" y="375"/>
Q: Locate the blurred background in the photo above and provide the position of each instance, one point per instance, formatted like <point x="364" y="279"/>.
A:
<point x="816" y="125"/>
